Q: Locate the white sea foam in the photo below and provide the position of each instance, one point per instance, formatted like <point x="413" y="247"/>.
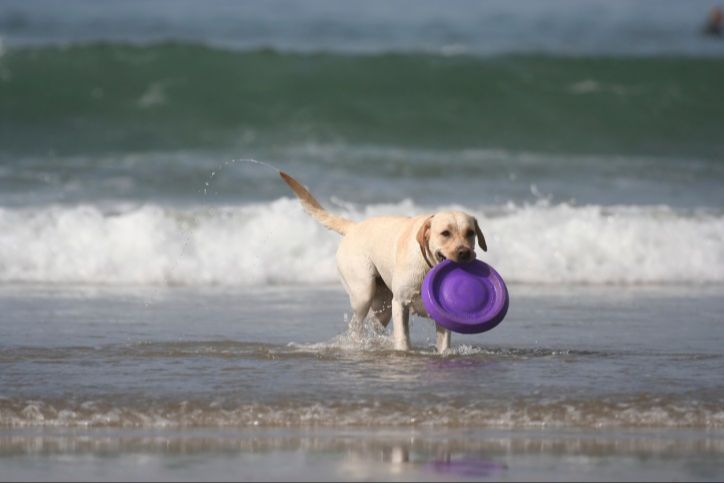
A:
<point x="640" y="412"/>
<point x="276" y="243"/>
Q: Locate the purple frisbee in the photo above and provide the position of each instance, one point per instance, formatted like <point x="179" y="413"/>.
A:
<point x="465" y="297"/>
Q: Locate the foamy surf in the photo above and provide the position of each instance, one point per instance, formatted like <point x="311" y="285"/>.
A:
<point x="636" y="412"/>
<point x="275" y="243"/>
<point x="484" y="407"/>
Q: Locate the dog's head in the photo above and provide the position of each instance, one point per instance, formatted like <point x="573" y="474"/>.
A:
<point x="450" y="235"/>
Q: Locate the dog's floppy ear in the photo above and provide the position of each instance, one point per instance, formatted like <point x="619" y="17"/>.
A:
<point x="422" y="237"/>
<point x="422" y="232"/>
<point x="481" y="238"/>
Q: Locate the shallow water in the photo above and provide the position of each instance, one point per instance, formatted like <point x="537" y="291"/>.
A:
<point x="565" y="357"/>
<point x="174" y="382"/>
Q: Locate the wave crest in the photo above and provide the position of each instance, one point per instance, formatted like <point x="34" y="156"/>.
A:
<point x="275" y="243"/>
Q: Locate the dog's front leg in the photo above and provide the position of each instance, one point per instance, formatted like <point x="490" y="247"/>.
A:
<point x="401" y="324"/>
<point x="443" y="338"/>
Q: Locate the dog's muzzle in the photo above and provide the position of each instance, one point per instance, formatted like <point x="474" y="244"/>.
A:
<point x="462" y="255"/>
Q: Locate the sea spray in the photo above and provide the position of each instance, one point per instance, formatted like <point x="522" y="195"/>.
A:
<point x="233" y="162"/>
<point x="186" y="233"/>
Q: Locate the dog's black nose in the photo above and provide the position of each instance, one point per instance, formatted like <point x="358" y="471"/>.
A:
<point x="464" y="254"/>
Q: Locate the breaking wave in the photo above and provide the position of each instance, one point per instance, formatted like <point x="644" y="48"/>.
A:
<point x="275" y="243"/>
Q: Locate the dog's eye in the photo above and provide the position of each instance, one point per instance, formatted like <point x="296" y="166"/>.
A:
<point x="446" y="233"/>
<point x="469" y="233"/>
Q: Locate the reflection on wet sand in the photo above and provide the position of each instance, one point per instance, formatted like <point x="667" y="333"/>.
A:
<point x="364" y="454"/>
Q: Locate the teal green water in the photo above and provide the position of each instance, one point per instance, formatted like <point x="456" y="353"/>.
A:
<point x="118" y="97"/>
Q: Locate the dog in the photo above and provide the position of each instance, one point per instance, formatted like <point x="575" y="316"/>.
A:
<point x="382" y="260"/>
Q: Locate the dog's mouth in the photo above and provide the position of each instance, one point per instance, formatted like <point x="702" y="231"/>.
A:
<point x="441" y="258"/>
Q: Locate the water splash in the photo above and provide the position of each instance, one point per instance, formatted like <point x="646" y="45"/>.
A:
<point x="233" y="162"/>
<point x="370" y="336"/>
<point x="186" y="232"/>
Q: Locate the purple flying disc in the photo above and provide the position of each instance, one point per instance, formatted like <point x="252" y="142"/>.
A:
<point x="465" y="297"/>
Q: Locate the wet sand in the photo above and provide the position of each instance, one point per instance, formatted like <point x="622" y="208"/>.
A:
<point x="357" y="454"/>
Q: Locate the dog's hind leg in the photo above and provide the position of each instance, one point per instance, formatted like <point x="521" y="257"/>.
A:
<point x="359" y="282"/>
<point x="360" y="298"/>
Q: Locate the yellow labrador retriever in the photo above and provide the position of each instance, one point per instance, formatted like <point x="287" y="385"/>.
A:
<point x="382" y="260"/>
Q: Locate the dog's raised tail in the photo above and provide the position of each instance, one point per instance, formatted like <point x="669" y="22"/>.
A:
<point x="315" y="210"/>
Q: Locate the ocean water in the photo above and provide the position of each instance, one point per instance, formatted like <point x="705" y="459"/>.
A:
<point x="262" y="382"/>
<point x="169" y="312"/>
